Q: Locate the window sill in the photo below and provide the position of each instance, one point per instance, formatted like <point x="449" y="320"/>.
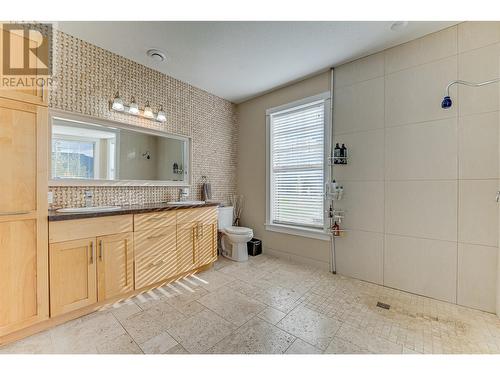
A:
<point x="317" y="234"/>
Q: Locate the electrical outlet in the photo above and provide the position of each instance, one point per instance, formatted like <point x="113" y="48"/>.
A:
<point x="50" y="197"/>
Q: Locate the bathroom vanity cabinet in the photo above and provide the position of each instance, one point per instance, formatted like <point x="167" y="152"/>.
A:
<point x="88" y="270"/>
<point x="94" y="260"/>
<point x="91" y="260"/>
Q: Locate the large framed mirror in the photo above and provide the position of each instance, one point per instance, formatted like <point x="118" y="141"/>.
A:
<point x="90" y="151"/>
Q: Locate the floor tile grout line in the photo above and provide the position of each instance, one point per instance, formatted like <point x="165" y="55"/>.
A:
<point x="128" y="333"/>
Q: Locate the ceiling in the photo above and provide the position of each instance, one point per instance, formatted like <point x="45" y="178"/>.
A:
<point x="241" y="60"/>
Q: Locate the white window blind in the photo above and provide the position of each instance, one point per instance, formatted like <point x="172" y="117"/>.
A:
<point x="297" y="165"/>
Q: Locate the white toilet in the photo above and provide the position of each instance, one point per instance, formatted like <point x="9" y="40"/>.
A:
<point x="234" y="239"/>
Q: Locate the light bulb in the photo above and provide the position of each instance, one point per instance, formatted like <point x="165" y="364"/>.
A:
<point x="117" y="103"/>
<point x="148" y="112"/>
<point x="134" y="108"/>
<point x="160" y="116"/>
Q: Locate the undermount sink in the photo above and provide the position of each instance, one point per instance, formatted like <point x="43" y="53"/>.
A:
<point x="88" y="209"/>
<point x="186" y="203"/>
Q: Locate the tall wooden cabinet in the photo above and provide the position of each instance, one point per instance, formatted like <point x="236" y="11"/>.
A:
<point x="23" y="213"/>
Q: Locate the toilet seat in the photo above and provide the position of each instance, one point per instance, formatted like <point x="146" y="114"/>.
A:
<point x="238" y="230"/>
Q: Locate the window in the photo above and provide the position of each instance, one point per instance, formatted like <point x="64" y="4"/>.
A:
<point x="73" y="158"/>
<point x="296" y="165"/>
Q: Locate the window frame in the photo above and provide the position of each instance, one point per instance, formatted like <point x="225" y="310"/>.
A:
<point x="304" y="231"/>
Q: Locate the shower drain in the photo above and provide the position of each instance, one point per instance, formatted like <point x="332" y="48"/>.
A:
<point x="383" y="305"/>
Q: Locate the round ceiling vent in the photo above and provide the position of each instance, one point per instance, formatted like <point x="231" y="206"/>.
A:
<point x="399" y="25"/>
<point x="156" y="55"/>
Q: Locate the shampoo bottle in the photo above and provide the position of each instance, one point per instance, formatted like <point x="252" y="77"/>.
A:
<point x="343" y="153"/>
<point x="336" y="229"/>
<point x="336" y="154"/>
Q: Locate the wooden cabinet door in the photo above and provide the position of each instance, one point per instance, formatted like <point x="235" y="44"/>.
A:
<point x="155" y="255"/>
<point x="24" y="298"/>
<point x="186" y="260"/>
<point x="206" y="244"/>
<point x="18" y="157"/>
<point x="115" y="265"/>
<point x="72" y="275"/>
<point x="18" y="271"/>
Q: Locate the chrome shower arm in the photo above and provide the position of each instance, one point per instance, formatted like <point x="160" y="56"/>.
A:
<point x="472" y="84"/>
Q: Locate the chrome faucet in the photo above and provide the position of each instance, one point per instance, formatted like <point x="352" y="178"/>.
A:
<point x="88" y="196"/>
<point x="183" y="194"/>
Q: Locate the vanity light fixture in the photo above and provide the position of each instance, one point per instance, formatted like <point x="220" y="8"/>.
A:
<point x="118" y="105"/>
<point x="161" y="115"/>
<point x="133" y="108"/>
<point x="148" y="112"/>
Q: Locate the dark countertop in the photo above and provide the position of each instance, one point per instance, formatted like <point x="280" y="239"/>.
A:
<point x="124" y="210"/>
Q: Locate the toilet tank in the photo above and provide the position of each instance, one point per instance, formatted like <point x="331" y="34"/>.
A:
<point x="225" y="217"/>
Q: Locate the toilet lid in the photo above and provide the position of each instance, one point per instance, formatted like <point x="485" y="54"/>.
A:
<point x="238" y="230"/>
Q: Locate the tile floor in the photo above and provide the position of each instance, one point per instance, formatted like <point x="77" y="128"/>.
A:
<point x="268" y="305"/>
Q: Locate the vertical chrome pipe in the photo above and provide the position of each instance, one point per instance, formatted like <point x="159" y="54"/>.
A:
<point x="333" y="266"/>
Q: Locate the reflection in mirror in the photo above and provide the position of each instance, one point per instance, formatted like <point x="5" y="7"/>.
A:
<point x="85" y="151"/>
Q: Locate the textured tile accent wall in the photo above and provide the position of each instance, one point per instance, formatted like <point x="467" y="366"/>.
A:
<point x="86" y="77"/>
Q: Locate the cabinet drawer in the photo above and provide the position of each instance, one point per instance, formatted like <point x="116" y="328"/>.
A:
<point x="204" y="215"/>
<point x="154" y="220"/>
<point x="155" y="255"/>
<point x="67" y="230"/>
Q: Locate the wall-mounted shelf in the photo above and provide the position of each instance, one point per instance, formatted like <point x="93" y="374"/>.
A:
<point x="336" y="196"/>
<point x="341" y="233"/>
<point x="338" y="160"/>
<point x="338" y="218"/>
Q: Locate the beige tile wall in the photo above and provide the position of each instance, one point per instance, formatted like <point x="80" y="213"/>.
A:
<point x="421" y="181"/>
<point x="87" y="77"/>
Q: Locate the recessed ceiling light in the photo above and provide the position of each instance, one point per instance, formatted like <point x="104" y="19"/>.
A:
<point x="156" y="55"/>
<point x="399" y="25"/>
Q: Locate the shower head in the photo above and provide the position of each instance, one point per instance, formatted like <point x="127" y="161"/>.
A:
<point x="447" y="103"/>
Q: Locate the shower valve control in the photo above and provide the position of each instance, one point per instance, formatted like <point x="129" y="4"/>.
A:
<point x="498" y="196"/>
